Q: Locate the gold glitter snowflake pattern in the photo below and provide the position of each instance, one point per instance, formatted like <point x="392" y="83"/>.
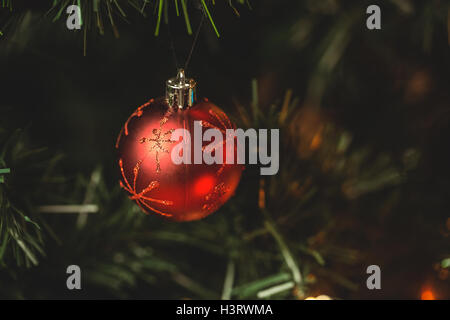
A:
<point x="213" y="199"/>
<point x="225" y="124"/>
<point x="159" y="140"/>
<point x="137" y="113"/>
<point x="140" y="197"/>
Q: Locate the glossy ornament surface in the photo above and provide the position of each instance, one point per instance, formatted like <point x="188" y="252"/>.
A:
<point x="181" y="192"/>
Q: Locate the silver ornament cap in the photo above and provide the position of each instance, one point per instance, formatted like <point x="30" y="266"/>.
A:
<point x="180" y="91"/>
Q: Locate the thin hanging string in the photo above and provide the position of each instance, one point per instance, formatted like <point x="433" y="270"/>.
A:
<point x="172" y="45"/>
<point x="194" y="42"/>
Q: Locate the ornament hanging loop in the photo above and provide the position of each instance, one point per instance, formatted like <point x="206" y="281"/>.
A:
<point x="180" y="91"/>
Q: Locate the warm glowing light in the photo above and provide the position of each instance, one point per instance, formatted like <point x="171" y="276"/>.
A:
<point x="427" y="295"/>
<point x="316" y="141"/>
<point x="204" y="185"/>
<point x="261" y="195"/>
<point x="321" y="297"/>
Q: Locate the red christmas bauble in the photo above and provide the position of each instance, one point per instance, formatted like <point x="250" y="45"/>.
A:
<point x="180" y="192"/>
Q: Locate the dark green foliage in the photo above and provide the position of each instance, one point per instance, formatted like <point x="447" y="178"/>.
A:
<point x="94" y="12"/>
<point x="20" y="228"/>
<point x="363" y="178"/>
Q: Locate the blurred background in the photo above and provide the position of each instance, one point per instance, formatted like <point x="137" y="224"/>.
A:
<point x="364" y="119"/>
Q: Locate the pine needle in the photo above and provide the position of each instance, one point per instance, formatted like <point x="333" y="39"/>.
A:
<point x="176" y="8"/>
<point x="287" y="255"/>
<point x="210" y="18"/>
<point x="229" y="280"/>
<point x="158" y="22"/>
<point x="186" y="17"/>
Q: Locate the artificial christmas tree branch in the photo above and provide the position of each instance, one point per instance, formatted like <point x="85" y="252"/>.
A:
<point x="229" y="280"/>
<point x="287" y="255"/>
<point x="355" y="187"/>
<point x="93" y="11"/>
